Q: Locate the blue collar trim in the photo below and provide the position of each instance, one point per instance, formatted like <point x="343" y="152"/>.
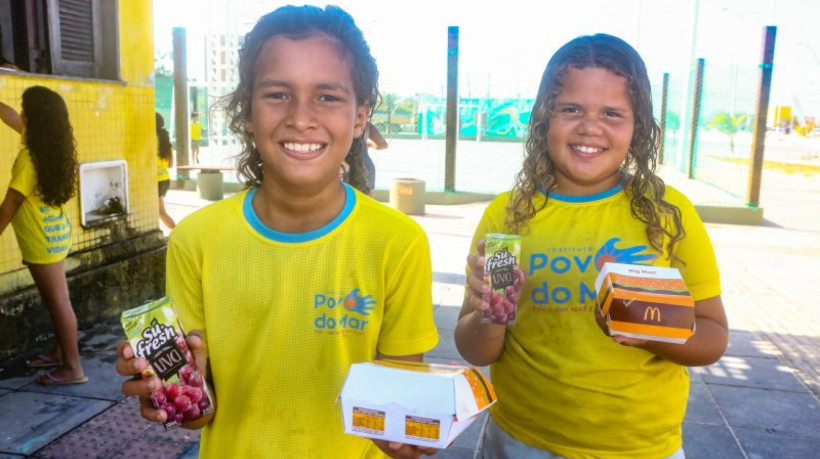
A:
<point x="588" y="198"/>
<point x="278" y="236"/>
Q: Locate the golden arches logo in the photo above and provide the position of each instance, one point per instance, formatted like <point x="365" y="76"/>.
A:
<point x="651" y="312"/>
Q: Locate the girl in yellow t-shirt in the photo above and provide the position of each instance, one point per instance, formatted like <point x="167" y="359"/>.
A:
<point x="42" y="182"/>
<point x="165" y="160"/>
<point x="588" y="194"/>
<point x="257" y="275"/>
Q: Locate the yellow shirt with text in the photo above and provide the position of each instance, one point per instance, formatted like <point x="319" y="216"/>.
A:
<point x="43" y="232"/>
<point x="563" y="385"/>
<point x="285" y="316"/>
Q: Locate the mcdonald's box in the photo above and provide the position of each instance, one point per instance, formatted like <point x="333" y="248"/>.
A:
<point x="416" y="403"/>
<point x="645" y="302"/>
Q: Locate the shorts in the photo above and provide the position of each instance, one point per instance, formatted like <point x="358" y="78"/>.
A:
<point x="195" y="144"/>
<point x="163" y="186"/>
<point x="495" y="443"/>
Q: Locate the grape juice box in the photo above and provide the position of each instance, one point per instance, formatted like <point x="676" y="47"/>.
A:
<point x="501" y="254"/>
<point x="155" y="334"/>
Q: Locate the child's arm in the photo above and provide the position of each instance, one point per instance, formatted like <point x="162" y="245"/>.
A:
<point x="375" y="138"/>
<point x="705" y="347"/>
<point x="8" y="209"/>
<point x="11" y="117"/>
<point x="480" y="344"/>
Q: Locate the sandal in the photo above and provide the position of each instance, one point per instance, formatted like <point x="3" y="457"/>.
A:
<point x="48" y="379"/>
<point x="43" y="361"/>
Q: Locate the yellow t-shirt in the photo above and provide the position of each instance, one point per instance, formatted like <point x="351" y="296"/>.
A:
<point x="196" y="130"/>
<point x="162" y="169"/>
<point x="287" y="314"/>
<point x="564" y="386"/>
<point x="43" y="232"/>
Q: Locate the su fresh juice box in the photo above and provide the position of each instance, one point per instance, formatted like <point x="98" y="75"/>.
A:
<point x="501" y="253"/>
<point x="155" y="334"/>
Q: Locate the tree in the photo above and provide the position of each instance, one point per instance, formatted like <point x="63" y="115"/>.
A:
<point x="728" y="124"/>
<point x="163" y="64"/>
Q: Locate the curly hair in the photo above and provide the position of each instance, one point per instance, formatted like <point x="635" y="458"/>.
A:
<point x="164" y="147"/>
<point x="301" y="22"/>
<point x="645" y="189"/>
<point x="49" y="138"/>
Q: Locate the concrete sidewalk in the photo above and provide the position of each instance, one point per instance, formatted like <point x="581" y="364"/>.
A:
<point x="759" y="401"/>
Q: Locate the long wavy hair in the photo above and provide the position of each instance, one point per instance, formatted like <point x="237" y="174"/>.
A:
<point x="164" y="147"/>
<point x="297" y="22"/>
<point x="644" y="188"/>
<point x="49" y="138"/>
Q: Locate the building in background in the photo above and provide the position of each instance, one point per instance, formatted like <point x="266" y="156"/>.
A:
<point x="99" y="56"/>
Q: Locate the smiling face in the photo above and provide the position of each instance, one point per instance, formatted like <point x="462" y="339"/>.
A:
<point x="304" y="114"/>
<point x="590" y="130"/>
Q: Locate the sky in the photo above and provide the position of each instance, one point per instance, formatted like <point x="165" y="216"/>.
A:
<point x="504" y="45"/>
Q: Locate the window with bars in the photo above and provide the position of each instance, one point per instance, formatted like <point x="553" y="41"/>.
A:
<point x="62" y="37"/>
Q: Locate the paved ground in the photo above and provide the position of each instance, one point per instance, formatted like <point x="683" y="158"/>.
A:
<point x="759" y="401"/>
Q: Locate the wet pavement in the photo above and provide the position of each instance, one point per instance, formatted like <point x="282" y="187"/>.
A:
<point x="759" y="401"/>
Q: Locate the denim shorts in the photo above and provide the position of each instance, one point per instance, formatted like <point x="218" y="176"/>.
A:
<point x="495" y="443"/>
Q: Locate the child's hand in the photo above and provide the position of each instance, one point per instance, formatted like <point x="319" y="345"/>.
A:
<point x="475" y="281"/>
<point x="601" y="321"/>
<point x="620" y="339"/>
<point x="480" y="292"/>
<point x="626" y="341"/>
<point x="130" y="365"/>
<point x="404" y="451"/>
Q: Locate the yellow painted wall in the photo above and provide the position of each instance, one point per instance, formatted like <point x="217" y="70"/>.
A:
<point x="111" y="120"/>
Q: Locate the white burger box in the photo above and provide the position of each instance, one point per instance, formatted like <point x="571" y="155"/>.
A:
<point x="645" y="302"/>
<point x="415" y="403"/>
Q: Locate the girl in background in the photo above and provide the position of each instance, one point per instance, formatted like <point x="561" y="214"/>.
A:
<point x="588" y="194"/>
<point x="165" y="160"/>
<point x="43" y="180"/>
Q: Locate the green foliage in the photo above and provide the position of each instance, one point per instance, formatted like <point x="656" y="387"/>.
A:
<point x="396" y="114"/>
<point x="672" y="121"/>
<point x="163" y="64"/>
<point x="728" y="124"/>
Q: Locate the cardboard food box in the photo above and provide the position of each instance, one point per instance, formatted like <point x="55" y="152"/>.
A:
<point x="415" y="403"/>
<point x="645" y="302"/>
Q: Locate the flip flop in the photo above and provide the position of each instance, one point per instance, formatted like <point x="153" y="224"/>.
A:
<point x="48" y="379"/>
<point x="43" y="361"/>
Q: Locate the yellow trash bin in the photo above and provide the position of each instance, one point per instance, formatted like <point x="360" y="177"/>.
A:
<point x="407" y="196"/>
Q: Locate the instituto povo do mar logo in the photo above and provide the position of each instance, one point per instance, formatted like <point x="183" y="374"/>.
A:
<point x="345" y="312"/>
<point x="159" y="346"/>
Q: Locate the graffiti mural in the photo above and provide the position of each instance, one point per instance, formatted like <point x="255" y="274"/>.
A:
<point x="481" y="119"/>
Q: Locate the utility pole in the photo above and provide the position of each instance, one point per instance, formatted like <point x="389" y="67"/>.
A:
<point x="761" y="113"/>
<point x="181" y="98"/>
<point x="452" y="110"/>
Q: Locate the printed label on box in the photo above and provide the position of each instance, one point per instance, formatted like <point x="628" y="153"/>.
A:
<point x="422" y="428"/>
<point x="368" y="421"/>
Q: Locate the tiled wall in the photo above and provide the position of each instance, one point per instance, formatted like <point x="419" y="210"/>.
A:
<point x="111" y="120"/>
